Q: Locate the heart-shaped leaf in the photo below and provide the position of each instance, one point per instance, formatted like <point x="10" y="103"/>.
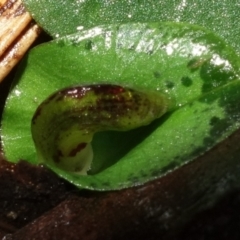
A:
<point x="188" y="63"/>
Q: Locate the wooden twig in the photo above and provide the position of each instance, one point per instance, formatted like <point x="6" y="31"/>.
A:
<point x="17" y="33"/>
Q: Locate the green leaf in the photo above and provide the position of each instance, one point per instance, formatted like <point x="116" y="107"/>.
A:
<point x="188" y="63"/>
<point x="63" y="17"/>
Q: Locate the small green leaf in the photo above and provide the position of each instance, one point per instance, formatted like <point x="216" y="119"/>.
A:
<point x="188" y="63"/>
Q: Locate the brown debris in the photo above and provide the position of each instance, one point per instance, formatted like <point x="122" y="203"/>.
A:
<point x="17" y="33"/>
<point x="27" y="192"/>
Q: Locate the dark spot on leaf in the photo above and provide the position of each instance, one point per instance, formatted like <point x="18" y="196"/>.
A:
<point x="195" y="111"/>
<point x="197" y="151"/>
<point x="61" y="43"/>
<point x="106" y="184"/>
<point x="214" y="76"/>
<point x="150" y="52"/>
<point x="169" y="84"/>
<point x="131" y="47"/>
<point x="133" y="179"/>
<point x="177" y="158"/>
<point x="157" y="74"/>
<point x="214" y="120"/>
<point x="208" y="141"/>
<point x="207" y="109"/>
<point x="186" y="81"/>
<point x="156" y="172"/>
<point x="220" y="127"/>
<point x="163" y="170"/>
<point x="93" y="185"/>
<point x="172" y="165"/>
<point x="89" y="45"/>
<point x="143" y="174"/>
